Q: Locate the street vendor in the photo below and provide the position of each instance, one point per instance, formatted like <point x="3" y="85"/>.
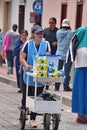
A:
<point x="35" y="46"/>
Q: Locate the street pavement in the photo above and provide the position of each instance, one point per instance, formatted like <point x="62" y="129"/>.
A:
<point x="11" y="80"/>
<point x="9" y="112"/>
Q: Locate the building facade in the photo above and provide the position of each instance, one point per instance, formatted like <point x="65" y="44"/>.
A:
<point x="74" y="10"/>
<point x="21" y="13"/>
<point x="15" y="11"/>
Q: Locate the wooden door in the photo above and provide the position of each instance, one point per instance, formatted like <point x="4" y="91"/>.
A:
<point x="63" y="11"/>
<point x="79" y="15"/>
<point x="21" y="17"/>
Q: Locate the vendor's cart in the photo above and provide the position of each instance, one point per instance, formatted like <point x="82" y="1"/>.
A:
<point x="50" y="109"/>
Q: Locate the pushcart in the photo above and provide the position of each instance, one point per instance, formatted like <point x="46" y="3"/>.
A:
<point x="50" y="109"/>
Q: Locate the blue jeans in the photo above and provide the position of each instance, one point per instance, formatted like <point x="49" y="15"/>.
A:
<point x="67" y="68"/>
<point x="9" y="55"/>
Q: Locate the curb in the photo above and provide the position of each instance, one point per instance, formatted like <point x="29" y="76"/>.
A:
<point x="66" y="100"/>
<point x="8" y="81"/>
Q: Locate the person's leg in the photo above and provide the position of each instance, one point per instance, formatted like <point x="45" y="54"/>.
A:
<point x="18" y="75"/>
<point x="60" y="67"/>
<point x="12" y="62"/>
<point x="39" y="90"/>
<point x="9" y="62"/>
<point x="31" y="91"/>
<point x="24" y="96"/>
<point x="33" y="114"/>
<point x="67" y="69"/>
<point x="0" y="60"/>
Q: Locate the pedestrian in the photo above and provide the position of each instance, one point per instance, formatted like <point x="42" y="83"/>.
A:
<point x="1" y="46"/>
<point x="9" y="41"/>
<point x="79" y="93"/>
<point x="16" y="53"/>
<point x="34" y="46"/>
<point x="50" y="34"/>
<point x="64" y="35"/>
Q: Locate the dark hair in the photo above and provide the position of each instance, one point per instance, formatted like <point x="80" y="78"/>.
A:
<point x="37" y="23"/>
<point x="14" y="27"/>
<point x="24" y="31"/>
<point x="0" y="30"/>
<point x="54" y="19"/>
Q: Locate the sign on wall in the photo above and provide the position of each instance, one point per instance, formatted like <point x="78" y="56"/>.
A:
<point x="34" y="17"/>
<point x="38" y="6"/>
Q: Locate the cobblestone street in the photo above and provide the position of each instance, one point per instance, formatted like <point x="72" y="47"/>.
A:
<point x="9" y="113"/>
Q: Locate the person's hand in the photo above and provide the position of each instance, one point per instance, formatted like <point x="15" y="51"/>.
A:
<point x="21" y="46"/>
<point x="54" y="44"/>
<point x="28" y="67"/>
<point x="3" y="54"/>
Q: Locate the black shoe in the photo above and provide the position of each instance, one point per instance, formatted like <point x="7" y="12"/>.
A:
<point x="68" y="89"/>
<point x="9" y="72"/>
<point x="56" y="89"/>
<point x="20" y="91"/>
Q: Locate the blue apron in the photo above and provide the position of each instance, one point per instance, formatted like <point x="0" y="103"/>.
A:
<point x="32" y="51"/>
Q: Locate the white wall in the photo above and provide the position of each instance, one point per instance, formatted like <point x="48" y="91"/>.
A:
<point x="13" y="13"/>
<point x="51" y="8"/>
<point x="9" y="16"/>
<point x="71" y="12"/>
<point x="28" y="9"/>
<point x="84" y="18"/>
<point x="1" y="14"/>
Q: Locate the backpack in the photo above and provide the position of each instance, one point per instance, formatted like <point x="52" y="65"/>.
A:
<point x="6" y="41"/>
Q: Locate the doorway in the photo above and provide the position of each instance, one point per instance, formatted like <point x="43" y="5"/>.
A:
<point x="21" y="17"/>
<point x="63" y="11"/>
<point x="79" y="15"/>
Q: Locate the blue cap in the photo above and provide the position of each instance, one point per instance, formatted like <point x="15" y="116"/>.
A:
<point x="36" y="29"/>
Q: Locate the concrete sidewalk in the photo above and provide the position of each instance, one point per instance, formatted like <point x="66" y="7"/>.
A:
<point x="11" y="80"/>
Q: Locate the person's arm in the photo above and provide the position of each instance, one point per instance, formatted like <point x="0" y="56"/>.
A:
<point x="54" y="43"/>
<point x="48" y="48"/>
<point x="17" y="48"/>
<point x="23" y="60"/>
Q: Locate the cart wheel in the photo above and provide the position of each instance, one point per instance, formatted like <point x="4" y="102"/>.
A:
<point x="22" y="119"/>
<point x="56" y="120"/>
<point x="47" y="119"/>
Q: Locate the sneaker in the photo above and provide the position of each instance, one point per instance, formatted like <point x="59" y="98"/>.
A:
<point x="10" y="70"/>
<point x="56" y="89"/>
<point x="68" y="89"/>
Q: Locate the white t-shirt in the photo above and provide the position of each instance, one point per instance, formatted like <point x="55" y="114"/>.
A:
<point x="81" y="57"/>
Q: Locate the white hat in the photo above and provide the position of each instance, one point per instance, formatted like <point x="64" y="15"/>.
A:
<point x="65" y="23"/>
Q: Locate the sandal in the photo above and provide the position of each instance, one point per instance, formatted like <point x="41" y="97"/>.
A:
<point x="33" y="124"/>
